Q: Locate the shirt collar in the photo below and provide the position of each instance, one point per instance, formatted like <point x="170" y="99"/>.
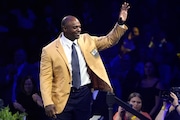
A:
<point x="65" y="41"/>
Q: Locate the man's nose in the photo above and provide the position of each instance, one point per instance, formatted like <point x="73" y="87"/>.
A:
<point x="79" y="29"/>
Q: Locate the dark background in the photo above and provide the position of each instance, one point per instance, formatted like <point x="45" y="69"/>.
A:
<point x="31" y="24"/>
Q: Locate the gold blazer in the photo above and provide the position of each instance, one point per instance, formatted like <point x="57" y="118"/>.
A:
<point x="55" y="76"/>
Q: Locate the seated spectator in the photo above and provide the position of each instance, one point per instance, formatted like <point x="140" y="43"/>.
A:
<point x="14" y="73"/>
<point x="149" y="87"/>
<point x="135" y="100"/>
<point x="29" y="100"/>
<point x="119" y="68"/>
<point x="170" y="110"/>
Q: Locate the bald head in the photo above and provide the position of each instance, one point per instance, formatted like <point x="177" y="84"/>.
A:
<point x="71" y="27"/>
<point x="67" y="19"/>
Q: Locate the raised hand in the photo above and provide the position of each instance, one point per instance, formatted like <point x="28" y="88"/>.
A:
<point x="123" y="12"/>
<point x="175" y="99"/>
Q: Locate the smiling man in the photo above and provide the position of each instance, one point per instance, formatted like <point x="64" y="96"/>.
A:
<point x="71" y="65"/>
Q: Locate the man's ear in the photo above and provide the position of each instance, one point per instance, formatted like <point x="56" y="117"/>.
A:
<point x="64" y="28"/>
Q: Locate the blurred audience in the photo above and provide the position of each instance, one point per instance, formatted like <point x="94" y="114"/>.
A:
<point x="160" y="48"/>
<point x="15" y="71"/>
<point x="29" y="101"/>
<point x="149" y="87"/>
<point x="119" y="67"/>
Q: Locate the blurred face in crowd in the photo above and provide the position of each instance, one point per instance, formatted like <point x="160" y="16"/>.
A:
<point x="19" y="57"/>
<point x="136" y="103"/>
<point x="71" y="27"/>
<point x="149" y="68"/>
<point x="135" y="31"/>
<point x="28" y="86"/>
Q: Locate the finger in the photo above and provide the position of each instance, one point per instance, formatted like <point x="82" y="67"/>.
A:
<point x="54" y="116"/>
<point x="49" y="114"/>
<point x="125" y="6"/>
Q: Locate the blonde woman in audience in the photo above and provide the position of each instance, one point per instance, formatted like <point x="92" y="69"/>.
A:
<point x="135" y="100"/>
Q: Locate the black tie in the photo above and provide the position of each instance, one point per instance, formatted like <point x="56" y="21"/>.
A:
<point x="75" y="68"/>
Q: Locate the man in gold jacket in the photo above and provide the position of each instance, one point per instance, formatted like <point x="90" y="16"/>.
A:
<point x="62" y="100"/>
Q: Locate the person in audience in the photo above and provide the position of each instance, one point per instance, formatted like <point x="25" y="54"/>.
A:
<point x="119" y="68"/>
<point x="170" y="109"/>
<point x="29" y="100"/>
<point x="135" y="100"/>
<point x="123" y="76"/>
<point x="149" y="87"/>
<point x="14" y="72"/>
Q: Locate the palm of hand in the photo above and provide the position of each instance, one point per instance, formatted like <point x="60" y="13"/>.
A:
<point x="124" y="11"/>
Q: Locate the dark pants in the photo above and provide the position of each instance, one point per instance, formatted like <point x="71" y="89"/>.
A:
<point x="78" y="106"/>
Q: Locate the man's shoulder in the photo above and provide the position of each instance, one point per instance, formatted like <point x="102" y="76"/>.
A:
<point x="87" y="36"/>
<point x="84" y="35"/>
<point x="51" y="43"/>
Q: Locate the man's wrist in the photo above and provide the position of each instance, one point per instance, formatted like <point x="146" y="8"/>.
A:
<point x="120" y="21"/>
<point x="176" y="107"/>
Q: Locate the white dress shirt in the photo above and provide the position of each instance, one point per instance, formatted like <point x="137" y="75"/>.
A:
<point x="66" y="43"/>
